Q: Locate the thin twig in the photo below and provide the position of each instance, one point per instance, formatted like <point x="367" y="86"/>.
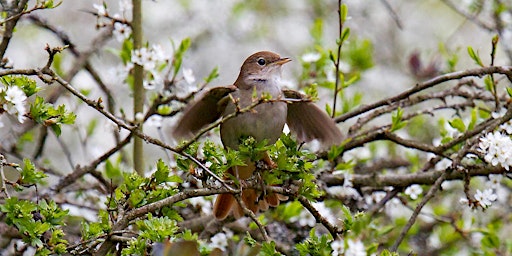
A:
<point x="430" y="194"/>
<point x="333" y="230"/>
<point x="337" y="63"/>
<point x="479" y="72"/>
<point x="2" y="175"/>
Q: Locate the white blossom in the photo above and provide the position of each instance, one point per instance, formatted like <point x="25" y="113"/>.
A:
<point x="158" y="53"/>
<point x="149" y="85"/>
<point x="144" y="57"/>
<point x="506" y="127"/>
<point x="15" y="102"/>
<point x="15" y="95"/>
<point x="495" y="180"/>
<point x="121" y="31"/>
<point x="337" y="247"/>
<point x="139" y="117"/>
<point x="188" y="75"/>
<point x="202" y="204"/>
<point x="311" y="57"/>
<point x="219" y="240"/>
<point x="155" y="121"/>
<point x="414" y="191"/>
<point x="305" y="218"/>
<point x="378" y="196"/>
<point x="149" y="58"/>
<point x="125" y="6"/>
<point x="100" y="9"/>
<point x="497" y="149"/>
<point x="486" y="197"/>
<point x="354" y="248"/>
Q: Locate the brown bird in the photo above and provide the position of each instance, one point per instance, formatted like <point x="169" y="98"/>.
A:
<point x="260" y="73"/>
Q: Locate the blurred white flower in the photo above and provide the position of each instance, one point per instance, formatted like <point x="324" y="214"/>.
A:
<point x="495" y="180"/>
<point x="443" y="164"/>
<point x="100" y="9"/>
<point x="155" y="121"/>
<point x="347" y="190"/>
<point x="149" y="58"/>
<point x="463" y="201"/>
<point x="414" y="191"/>
<point x="121" y="31"/>
<point x="158" y="53"/>
<point x="15" y="95"/>
<point x="202" y="204"/>
<point x="139" y="117"/>
<point x="337" y="247"/>
<point x="125" y="6"/>
<point x="499" y="113"/>
<point x="354" y="248"/>
<point x="311" y="57"/>
<point x="507" y="127"/>
<point x="305" y="218"/>
<point x="325" y="212"/>
<point x="15" y="102"/>
<point x="149" y="85"/>
<point x="220" y="240"/>
<point x="497" y="148"/>
<point x="506" y="18"/>
<point x="144" y="57"/>
<point x="1" y="124"/>
<point x="188" y="75"/>
<point x="378" y="196"/>
<point x="330" y="75"/>
<point x="486" y="197"/>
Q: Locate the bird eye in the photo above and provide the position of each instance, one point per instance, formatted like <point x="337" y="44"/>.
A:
<point x="261" y="61"/>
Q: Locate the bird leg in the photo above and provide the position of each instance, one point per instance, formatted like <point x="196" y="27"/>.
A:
<point x="269" y="199"/>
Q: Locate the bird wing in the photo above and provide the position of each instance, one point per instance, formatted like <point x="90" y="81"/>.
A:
<point x="307" y="122"/>
<point x="202" y="112"/>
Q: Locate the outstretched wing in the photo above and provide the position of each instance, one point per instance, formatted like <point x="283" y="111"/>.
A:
<point x="202" y="112"/>
<point x="307" y="122"/>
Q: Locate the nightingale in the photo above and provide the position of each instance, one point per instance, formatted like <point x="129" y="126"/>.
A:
<point x="260" y="74"/>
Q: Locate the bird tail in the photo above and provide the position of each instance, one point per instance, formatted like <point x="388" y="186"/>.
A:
<point x="223" y="205"/>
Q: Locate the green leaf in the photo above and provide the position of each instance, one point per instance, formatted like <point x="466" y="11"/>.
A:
<point x="328" y="109"/>
<point x="269" y="249"/>
<point x="45" y="114"/>
<point x="388" y="253"/>
<point x="162" y="172"/>
<point x="509" y="91"/>
<point x="213" y="74"/>
<point x="317" y="30"/>
<point x="397" y="122"/>
<point x="29" y="175"/>
<point x="335" y="151"/>
<point x="25" y="83"/>
<point x="137" y="196"/>
<point x="91" y="126"/>
<point x="489" y="83"/>
<point x="112" y="171"/>
<point x="344" y="35"/>
<point x="475" y="56"/>
<point x="126" y="51"/>
<point x="180" y="52"/>
<point x="312" y="91"/>
<point x="474" y="118"/>
<point x="343" y="13"/>
<point x="458" y="124"/>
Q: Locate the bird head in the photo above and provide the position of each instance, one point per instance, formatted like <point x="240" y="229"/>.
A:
<point x="261" y="67"/>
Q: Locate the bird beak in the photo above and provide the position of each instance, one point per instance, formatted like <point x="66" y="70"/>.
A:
<point x="282" y="61"/>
